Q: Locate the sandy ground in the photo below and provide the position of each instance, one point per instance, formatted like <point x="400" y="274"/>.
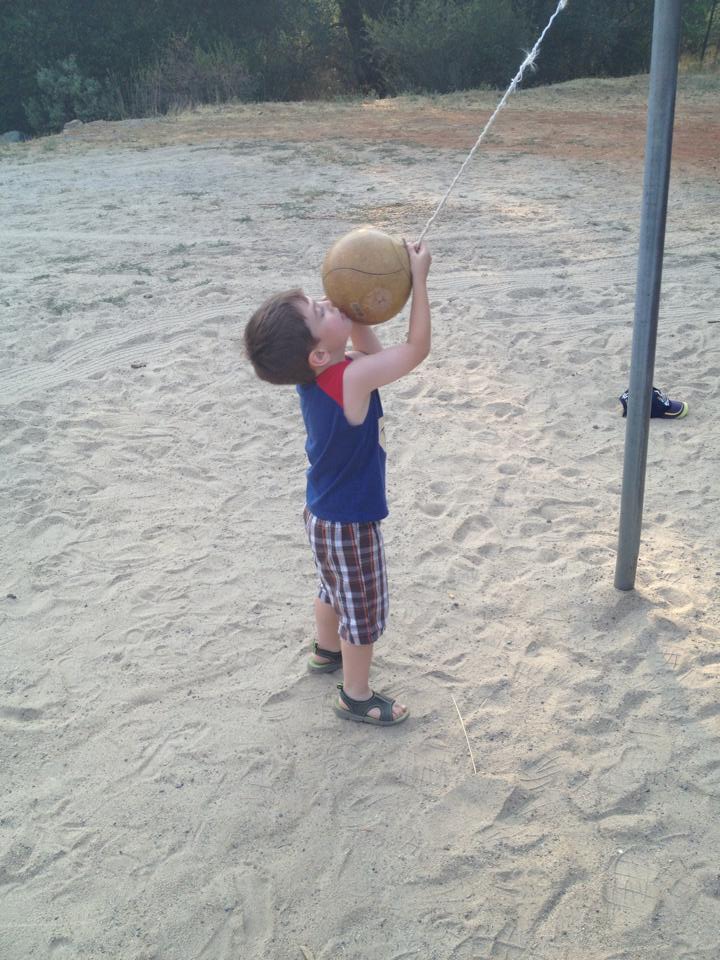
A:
<point x="174" y="785"/>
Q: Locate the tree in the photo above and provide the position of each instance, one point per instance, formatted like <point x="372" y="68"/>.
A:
<point x="707" y="32"/>
<point x="607" y="38"/>
<point x="291" y="46"/>
<point x="353" y="14"/>
<point x="444" y="45"/>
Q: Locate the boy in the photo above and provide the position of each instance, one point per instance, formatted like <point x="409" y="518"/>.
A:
<point x="294" y="339"/>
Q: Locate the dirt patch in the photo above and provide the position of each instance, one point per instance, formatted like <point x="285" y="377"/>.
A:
<point x="598" y="120"/>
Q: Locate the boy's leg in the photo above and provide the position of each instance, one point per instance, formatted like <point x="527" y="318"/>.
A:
<point x="326" y="624"/>
<point x="356" y="675"/>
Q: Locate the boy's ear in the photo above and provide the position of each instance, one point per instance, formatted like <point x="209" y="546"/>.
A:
<point x="318" y="357"/>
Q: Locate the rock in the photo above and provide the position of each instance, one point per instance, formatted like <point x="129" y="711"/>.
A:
<point x="72" y="125"/>
<point x="12" y="136"/>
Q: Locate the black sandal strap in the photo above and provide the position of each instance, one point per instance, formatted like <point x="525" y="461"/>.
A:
<point x="361" y="708"/>
<point x="334" y="655"/>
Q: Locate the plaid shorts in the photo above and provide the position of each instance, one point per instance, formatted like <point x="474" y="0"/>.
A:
<point x="350" y="562"/>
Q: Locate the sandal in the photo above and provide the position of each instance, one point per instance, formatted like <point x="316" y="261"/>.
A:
<point x="358" y="710"/>
<point x="334" y="658"/>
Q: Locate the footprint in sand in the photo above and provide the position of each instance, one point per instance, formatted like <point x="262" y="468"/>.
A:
<point x="245" y="924"/>
<point x="620" y="785"/>
<point x="432" y="508"/>
<point x="633" y="891"/>
<point x="502" y="410"/>
<point x="501" y="941"/>
<point x="476" y="524"/>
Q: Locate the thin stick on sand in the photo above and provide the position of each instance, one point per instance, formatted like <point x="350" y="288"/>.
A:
<point x="465" y="732"/>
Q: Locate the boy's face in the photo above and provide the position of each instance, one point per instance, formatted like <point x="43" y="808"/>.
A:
<point x="330" y="327"/>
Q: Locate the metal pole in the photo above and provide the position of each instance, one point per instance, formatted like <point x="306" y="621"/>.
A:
<point x="658" y="148"/>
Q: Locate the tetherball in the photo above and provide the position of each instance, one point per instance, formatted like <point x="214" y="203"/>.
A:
<point x="367" y="275"/>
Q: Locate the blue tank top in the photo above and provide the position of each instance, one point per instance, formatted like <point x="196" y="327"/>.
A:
<point x="346" y="476"/>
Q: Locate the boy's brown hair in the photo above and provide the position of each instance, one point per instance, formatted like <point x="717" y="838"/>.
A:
<point x="278" y="341"/>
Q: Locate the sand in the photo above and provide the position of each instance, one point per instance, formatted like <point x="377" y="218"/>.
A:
<point x="175" y="785"/>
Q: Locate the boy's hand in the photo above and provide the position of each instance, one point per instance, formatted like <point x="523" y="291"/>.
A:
<point x="364" y="338"/>
<point x="420" y="260"/>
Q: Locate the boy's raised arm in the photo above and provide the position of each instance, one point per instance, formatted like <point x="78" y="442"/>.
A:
<point x="367" y="373"/>
<point x="364" y="338"/>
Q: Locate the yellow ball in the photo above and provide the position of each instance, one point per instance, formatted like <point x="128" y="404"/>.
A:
<point x="367" y="275"/>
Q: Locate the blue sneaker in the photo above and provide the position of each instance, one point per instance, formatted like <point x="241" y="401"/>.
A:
<point x="661" y="406"/>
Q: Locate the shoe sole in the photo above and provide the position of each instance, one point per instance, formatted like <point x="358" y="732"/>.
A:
<point x="329" y="667"/>
<point x="678" y="416"/>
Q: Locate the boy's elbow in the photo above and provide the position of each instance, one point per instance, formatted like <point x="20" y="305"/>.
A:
<point x="423" y="354"/>
<point x="415" y="353"/>
<point x="417" y="360"/>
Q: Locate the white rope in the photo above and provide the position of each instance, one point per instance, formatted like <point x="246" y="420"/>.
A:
<point x="529" y="61"/>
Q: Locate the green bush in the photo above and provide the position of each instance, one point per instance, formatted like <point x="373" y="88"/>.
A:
<point x="444" y="45"/>
<point x="64" y="93"/>
<point x="595" y="38"/>
<point x="701" y="28"/>
<point x="186" y="75"/>
<point x="306" y="56"/>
